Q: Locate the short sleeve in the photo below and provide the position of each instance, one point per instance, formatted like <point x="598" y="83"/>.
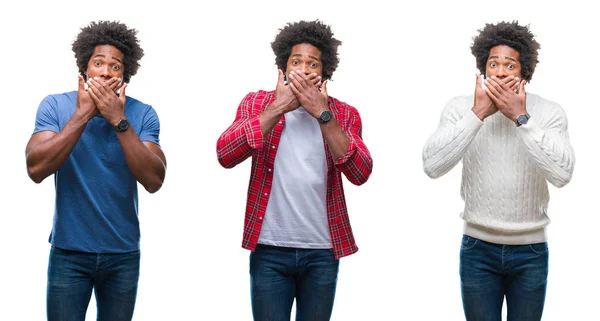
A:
<point x="150" y="127"/>
<point x="47" y="116"/>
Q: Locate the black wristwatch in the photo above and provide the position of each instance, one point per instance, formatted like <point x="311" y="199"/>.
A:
<point x="522" y="119"/>
<point x="123" y="125"/>
<point x="325" y="116"/>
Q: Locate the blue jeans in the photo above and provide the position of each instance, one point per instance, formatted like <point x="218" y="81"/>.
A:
<point x="72" y="275"/>
<point x="279" y="274"/>
<point x="490" y="271"/>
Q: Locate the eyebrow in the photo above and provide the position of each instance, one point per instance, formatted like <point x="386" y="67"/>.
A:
<point x="300" y="55"/>
<point x="103" y="56"/>
<point x="509" y="58"/>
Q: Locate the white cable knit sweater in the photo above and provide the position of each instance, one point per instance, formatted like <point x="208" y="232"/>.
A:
<point x="505" y="168"/>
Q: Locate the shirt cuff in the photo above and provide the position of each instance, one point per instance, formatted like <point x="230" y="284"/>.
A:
<point x="349" y="152"/>
<point x="254" y="136"/>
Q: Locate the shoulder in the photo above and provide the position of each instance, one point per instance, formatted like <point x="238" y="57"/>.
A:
<point x="540" y="101"/>
<point x="258" y="99"/>
<point x="459" y="105"/>
<point x="60" y="101"/>
<point x="461" y="102"/>
<point x="545" y="108"/>
<point x="70" y="96"/>
<point x="260" y="95"/>
<point x="136" y="106"/>
<point x="341" y="106"/>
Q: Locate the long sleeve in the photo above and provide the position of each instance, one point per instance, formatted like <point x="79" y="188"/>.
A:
<point x="357" y="163"/>
<point x="546" y="139"/>
<point x="445" y="148"/>
<point x="243" y="136"/>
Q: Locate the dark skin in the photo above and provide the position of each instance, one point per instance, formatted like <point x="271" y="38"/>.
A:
<point x="46" y="151"/>
<point x="305" y="89"/>
<point x="502" y="89"/>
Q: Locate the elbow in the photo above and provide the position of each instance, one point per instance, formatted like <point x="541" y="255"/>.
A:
<point x="154" y="183"/>
<point x="431" y="171"/>
<point x="225" y="160"/>
<point x="34" y="174"/>
<point x="221" y="158"/>
<point x="153" y="187"/>
<point x="561" y="181"/>
<point x="360" y="179"/>
<point x="225" y="164"/>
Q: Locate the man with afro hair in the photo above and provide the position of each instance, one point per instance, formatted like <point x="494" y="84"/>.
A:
<point x="301" y="141"/>
<point x="99" y="144"/>
<point x="511" y="143"/>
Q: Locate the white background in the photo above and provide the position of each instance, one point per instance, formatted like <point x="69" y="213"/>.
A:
<point x="399" y="66"/>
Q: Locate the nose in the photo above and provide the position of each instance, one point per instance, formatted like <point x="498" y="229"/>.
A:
<point x="105" y="72"/>
<point x="304" y="68"/>
<point x="501" y="72"/>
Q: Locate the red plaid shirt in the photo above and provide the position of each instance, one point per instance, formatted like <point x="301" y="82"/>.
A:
<point x="244" y="139"/>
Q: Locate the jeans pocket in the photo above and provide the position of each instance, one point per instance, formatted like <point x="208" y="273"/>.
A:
<point x="539" y="248"/>
<point x="468" y="243"/>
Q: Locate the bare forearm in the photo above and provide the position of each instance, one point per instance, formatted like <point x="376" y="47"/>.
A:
<point x="146" y="166"/>
<point x="270" y="116"/>
<point x="46" y="157"/>
<point x="336" y="138"/>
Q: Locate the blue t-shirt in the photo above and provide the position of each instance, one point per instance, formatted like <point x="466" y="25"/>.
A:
<point x="96" y="206"/>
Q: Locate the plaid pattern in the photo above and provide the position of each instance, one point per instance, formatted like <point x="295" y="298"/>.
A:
<point x="244" y="139"/>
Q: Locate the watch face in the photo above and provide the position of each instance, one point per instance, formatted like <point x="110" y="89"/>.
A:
<point x="522" y="119"/>
<point x="325" y="116"/>
<point x="123" y="125"/>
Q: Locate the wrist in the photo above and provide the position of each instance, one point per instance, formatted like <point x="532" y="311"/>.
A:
<point x="82" y="117"/>
<point x="516" y="115"/>
<point x="122" y="125"/>
<point x="274" y="110"/>
<point x="479" y="112"/>
<point x="114" y="120"/>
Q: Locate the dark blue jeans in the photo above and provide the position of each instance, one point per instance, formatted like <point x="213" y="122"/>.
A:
<point x="489" y="271"/>
<point x="72" y="275"/>
<point x="279" y="274"/>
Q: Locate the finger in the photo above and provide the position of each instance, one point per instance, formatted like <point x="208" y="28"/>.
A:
<point x="513" y="84"/>
<point x="114" y="84"/>
<point x="314" y="79"/>
<point x="103" y="86"/>
<point x="500" y="83"/>
<point x="505" y="83"/>
<point x="292" y="79"/>
<point x="491" y="95"/>
<point x="300" y="79"/>
<point x="324" y="88"/>
<point x="479" y="81"/>
<point x="280" y="78"/>
<point x="81" y="83"/>
<point x="492" y="84"/>
<point x="506" y="80"/>
<point x="522" y="88"/>
<point x="292" y="84"/>
<point x="92" y="86"/>
<point x="93" y="93"/>
<point x="122" y="94"/>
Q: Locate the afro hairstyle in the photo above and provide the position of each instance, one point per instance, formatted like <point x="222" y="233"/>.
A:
<point x="315" y="33"/>
<point x="115" y="34"/>
<point x="509" y="34"/>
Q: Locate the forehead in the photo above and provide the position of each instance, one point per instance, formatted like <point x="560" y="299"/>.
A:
<point x="305" y="50"/>
<point x="107" y="51"/>
<point x="503" y="52"/>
